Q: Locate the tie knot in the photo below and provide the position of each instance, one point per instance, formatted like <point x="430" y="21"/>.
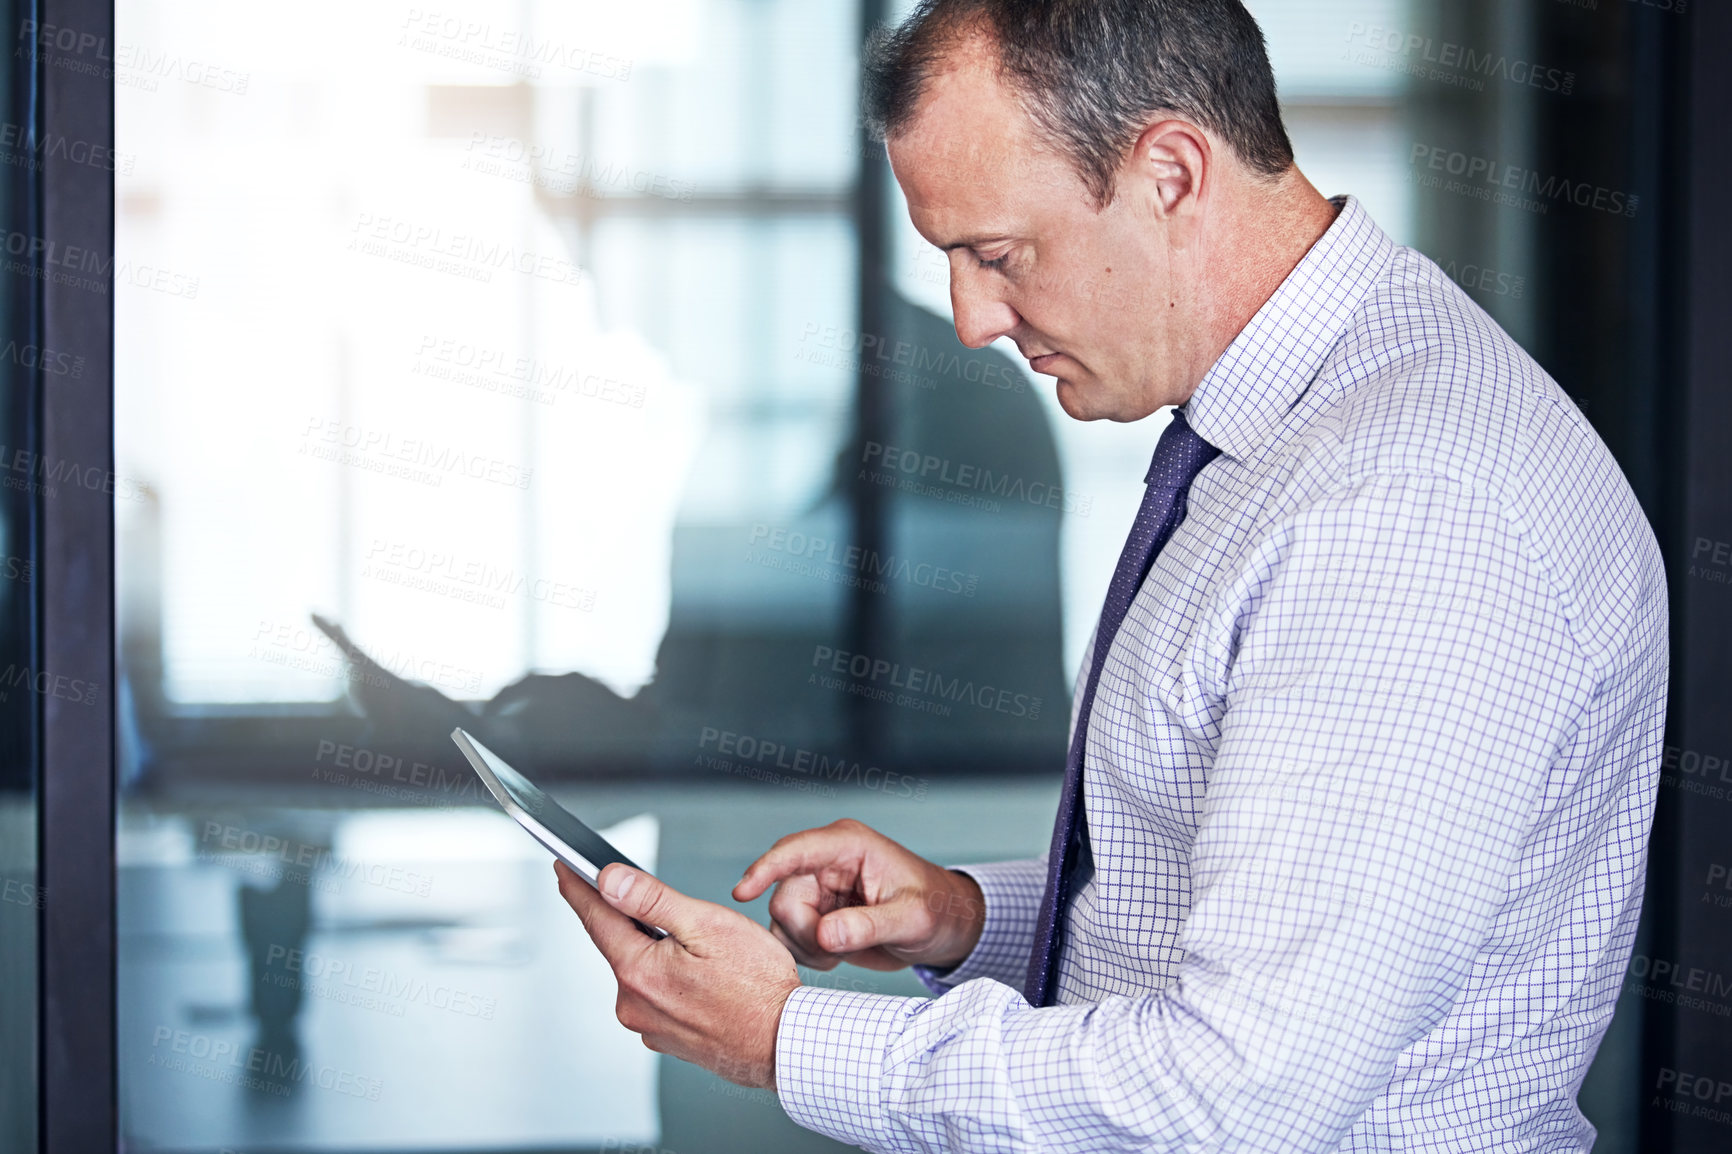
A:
<point x="1180" y="454"/>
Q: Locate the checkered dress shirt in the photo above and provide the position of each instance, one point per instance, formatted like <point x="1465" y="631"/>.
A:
<point x="1368" y="784"/>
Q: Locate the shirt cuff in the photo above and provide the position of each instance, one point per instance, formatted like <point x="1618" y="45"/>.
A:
<point x="830" y="1052"/>
<point x="1013" y="891"/>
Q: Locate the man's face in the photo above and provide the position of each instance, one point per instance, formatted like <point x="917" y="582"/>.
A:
<point x="1085" y="292"/>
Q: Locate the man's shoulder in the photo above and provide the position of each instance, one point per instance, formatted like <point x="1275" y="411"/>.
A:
<point x="1423" y="380"/>
<point x="1424" y="383"/>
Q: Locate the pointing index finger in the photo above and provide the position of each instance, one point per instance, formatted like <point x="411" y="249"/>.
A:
<point x="807" y="852"/>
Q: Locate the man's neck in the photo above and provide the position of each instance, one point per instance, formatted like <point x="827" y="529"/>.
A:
<point x="1266" y="231"/>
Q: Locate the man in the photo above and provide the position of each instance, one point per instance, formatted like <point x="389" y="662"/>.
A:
<point x="1351" y="850"/>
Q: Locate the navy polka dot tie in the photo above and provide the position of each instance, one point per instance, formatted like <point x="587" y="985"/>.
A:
<point x="1179" y="457"/>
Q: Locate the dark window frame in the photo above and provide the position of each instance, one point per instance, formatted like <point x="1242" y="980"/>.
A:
<point x="79" y="1091"/>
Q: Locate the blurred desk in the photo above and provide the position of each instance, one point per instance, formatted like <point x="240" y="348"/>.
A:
<point x="450" y="999"/>
<point x="551" y="1070"/>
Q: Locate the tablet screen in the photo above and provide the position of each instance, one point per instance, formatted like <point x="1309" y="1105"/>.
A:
<point x="594" y="848"/>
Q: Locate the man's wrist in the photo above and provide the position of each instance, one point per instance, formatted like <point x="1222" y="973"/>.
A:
<point x="964" y="913"/>
<point x="1009" y="906"/>
<point x="775" y="1033"/>
<point x="747" y="1056"/>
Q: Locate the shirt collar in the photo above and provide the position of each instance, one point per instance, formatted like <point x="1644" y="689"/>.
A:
<point x="1275" y="358"/>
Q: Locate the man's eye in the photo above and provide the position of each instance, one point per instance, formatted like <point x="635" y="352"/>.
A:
<point x="992" y="264"/>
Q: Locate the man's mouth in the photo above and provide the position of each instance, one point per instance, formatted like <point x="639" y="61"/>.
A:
<point x="1044" y="363"/>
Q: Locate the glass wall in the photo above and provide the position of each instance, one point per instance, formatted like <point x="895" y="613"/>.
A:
<point x="554" y="370"/>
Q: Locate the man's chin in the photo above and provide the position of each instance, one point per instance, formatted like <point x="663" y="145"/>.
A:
<point x="1094" y="402"/>
<point x="1077" y="401"/>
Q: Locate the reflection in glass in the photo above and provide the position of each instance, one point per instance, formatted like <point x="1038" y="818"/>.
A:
<point x="529" y="345"/>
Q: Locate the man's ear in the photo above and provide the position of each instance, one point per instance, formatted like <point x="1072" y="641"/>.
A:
<point x="1170" y="167"/>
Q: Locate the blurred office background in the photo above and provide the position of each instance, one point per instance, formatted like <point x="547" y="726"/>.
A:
<point x="579" y="361"/>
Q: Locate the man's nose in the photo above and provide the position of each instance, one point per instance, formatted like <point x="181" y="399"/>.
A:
<point x="981" y="317"/>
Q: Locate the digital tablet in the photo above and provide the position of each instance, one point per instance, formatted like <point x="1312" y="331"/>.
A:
<point x="548" y="822"/>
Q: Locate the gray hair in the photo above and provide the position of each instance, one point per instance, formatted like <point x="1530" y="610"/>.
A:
<point x="1091" y="73"/>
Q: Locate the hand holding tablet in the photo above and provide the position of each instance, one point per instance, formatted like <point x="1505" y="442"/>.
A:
<point x="551" y="824"/>
<point x="711" y="991"/>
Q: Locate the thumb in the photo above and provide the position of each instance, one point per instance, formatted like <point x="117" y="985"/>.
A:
<point x="903" y="920"/>
<point x="651" y="901"/>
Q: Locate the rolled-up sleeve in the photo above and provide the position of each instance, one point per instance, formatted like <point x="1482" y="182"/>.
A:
<point x="1402" y="677"/>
